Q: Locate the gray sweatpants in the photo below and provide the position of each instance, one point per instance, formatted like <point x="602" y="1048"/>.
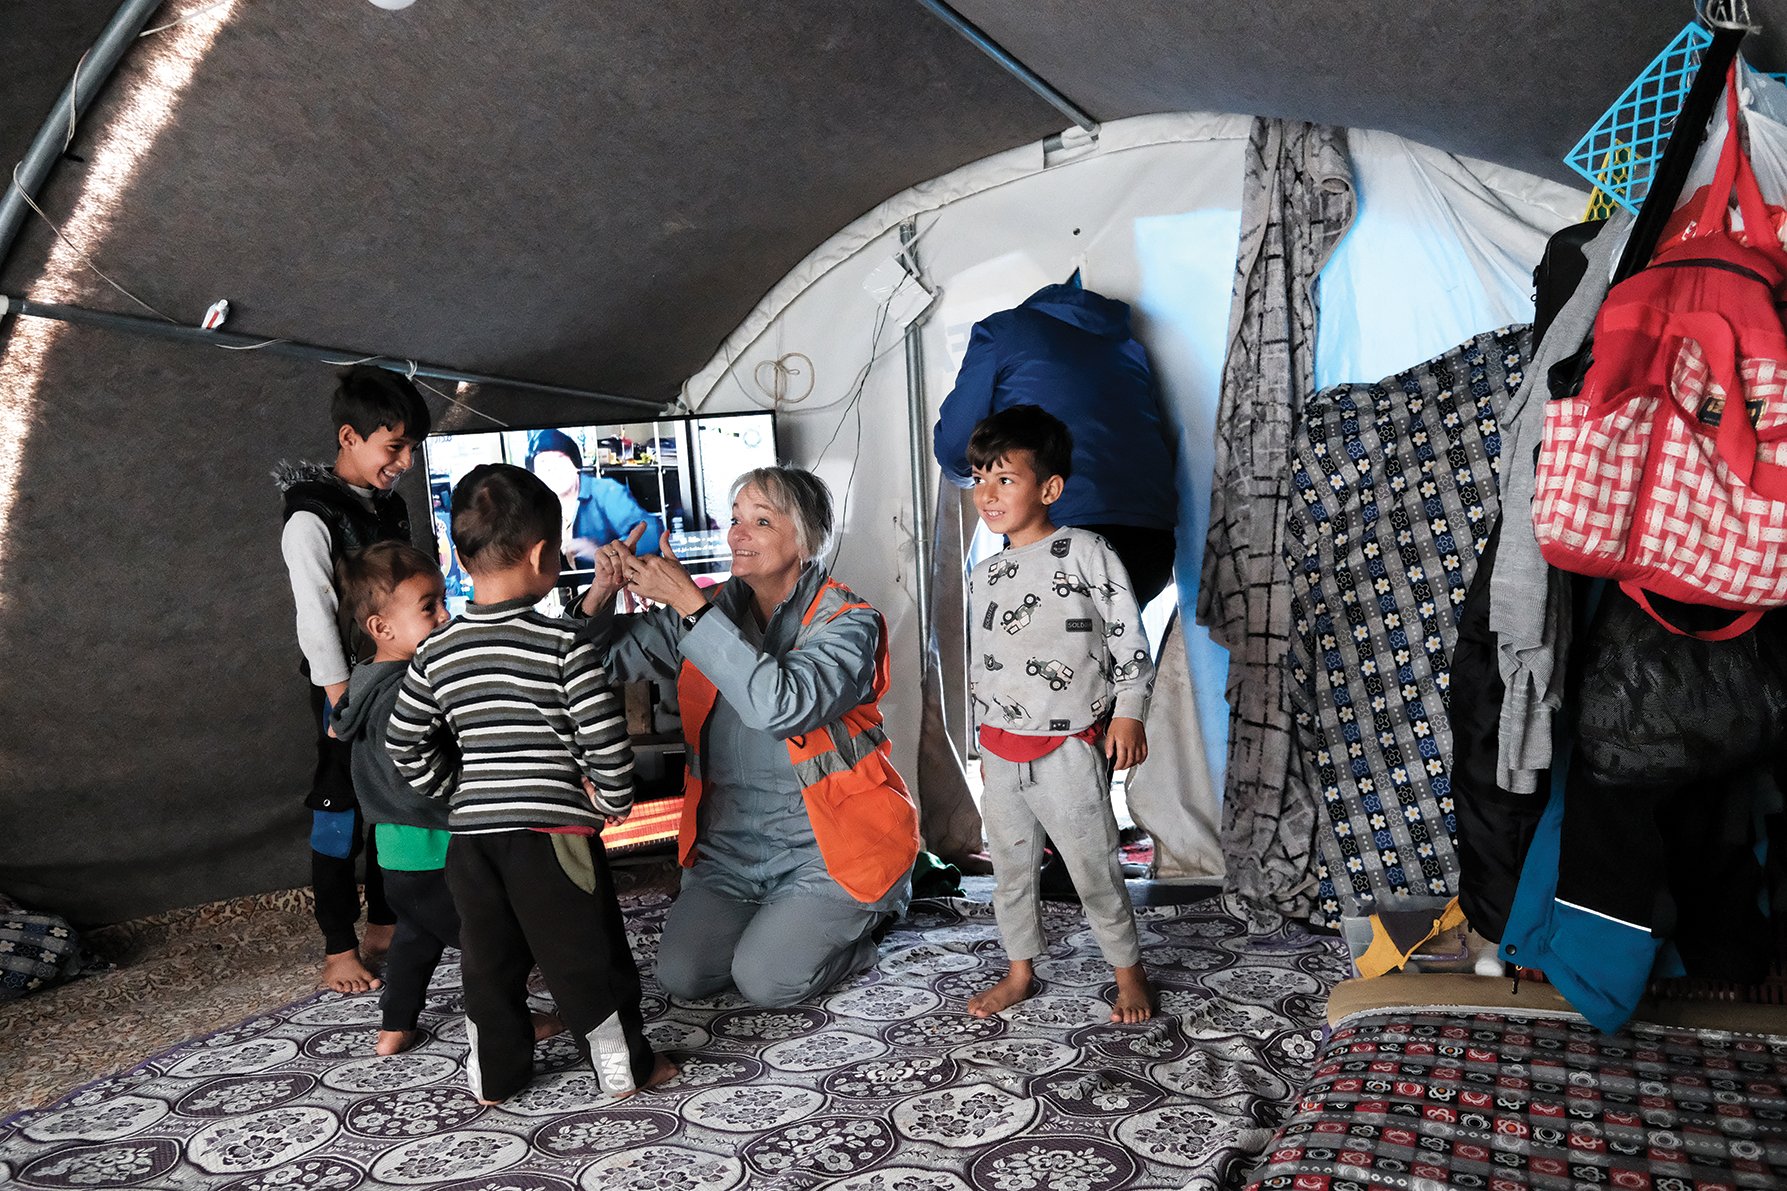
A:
<point x="1067" y="796"/>
<point x="777" y="952"/>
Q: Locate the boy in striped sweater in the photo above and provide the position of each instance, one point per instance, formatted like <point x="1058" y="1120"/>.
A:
<point x="507" y="716"/>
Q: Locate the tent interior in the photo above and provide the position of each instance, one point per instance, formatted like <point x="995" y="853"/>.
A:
<point x="594" y="213"/>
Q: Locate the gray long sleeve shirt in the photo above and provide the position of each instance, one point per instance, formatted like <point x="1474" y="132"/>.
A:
<point x="1529" y="609"/>
<point x="363" y="719"/>
<point x="309" y="564"/>
<point x="755" y="839"/>
<point x="1058" y="642"/>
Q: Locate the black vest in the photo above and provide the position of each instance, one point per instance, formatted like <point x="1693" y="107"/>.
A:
<point x="352" y="526"/>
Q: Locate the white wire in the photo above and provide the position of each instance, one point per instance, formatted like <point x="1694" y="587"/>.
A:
<point x="68" y="139"/>
<point x="74" y="88"/>
<point x="912" y="274"/>
<point x="466" y="406"/>
<point x="904" y="253"/>
<point x="186" y="16"/>
<point x="248" y="347"/>
<point x="780" y="370"/>
<point x="73" y="247"/>
<point x="855" y="405"/>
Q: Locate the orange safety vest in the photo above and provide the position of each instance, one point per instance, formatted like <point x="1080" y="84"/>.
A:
<point x="863" y="817"/>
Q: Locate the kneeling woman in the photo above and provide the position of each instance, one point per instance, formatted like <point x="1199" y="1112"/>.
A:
<point x="797" y="835"/>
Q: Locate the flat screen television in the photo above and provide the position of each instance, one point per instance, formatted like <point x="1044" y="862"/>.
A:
<point x="677" y="471"/>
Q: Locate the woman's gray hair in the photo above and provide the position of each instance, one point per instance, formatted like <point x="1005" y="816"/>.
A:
<point x="798" y="495"/>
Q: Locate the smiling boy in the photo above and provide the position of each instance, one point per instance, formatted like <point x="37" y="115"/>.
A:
<point x="1059" y="698"/>
<point x="329" y="513"/>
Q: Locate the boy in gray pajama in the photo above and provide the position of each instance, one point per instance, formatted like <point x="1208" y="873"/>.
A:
<point x="1060" y="679"/>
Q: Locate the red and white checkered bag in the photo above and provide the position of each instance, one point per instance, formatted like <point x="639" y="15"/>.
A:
<point x="1651" y="476"/>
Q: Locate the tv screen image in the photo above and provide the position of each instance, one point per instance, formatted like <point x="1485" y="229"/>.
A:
<point x="676" y="475"/>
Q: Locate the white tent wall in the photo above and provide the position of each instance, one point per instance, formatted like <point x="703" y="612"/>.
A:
<point x="1442" y="248"/>
<point x="989" y="236"/>
<point x="1150" y="215"/>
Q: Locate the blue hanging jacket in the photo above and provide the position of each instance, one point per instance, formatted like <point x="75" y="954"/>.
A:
<point x="1600" y="964"/>
<point x="1070" y="351"/>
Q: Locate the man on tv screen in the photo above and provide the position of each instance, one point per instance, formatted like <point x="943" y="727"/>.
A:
<point x="597" y="510"/>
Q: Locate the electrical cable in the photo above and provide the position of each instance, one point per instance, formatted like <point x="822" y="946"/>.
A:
<point x="775" y="406"/>
<point x="855" y="405"/>
<point x="74" y="248"/>
<point x="466" y="406"/>
<point x="68" y="140"/>
<point x="184" y="17"/>
<point x="85" y="259"/>
<point x="250" y="347"/>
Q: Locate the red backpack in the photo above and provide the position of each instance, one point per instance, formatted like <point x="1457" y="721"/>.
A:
<point x="1650" y="476"/>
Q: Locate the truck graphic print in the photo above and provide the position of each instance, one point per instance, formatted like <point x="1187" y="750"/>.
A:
<point x="1058" y="673"/>
<point x="1015" y="620"/>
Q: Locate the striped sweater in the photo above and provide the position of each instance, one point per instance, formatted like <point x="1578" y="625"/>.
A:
<point x="504" y="713"/>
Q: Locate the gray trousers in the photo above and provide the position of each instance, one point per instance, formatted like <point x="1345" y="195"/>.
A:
<point x="775" y="952"/>
<point x="1067" y="796"/>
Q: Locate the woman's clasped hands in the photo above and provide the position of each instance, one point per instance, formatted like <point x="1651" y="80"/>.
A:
<point x="658" y="577"/>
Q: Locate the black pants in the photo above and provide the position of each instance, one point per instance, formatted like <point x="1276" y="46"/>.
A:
<point x="427" y="924"/>
<point x="1677" y="860"/>
<point x="333" y="878"/>
<point x="1147" y="554"/>
<point x="1495" y="826"/>
<point x="335" y="882"/>
<point x="517" y="907"/>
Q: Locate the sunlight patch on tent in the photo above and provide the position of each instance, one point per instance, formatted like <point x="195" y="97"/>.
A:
<point x="150" y="94"/>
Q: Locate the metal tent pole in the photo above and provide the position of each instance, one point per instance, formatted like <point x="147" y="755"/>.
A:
<point x="915" y="425"/>
<point x="1010" y="63"/>
<point x="89" y="78"/>
<point x="179" y="332"/>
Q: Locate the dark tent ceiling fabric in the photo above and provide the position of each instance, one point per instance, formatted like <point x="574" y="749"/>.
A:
<point x="1514" y="81"/>
<point x="39" y="46"/>
<point x="154" y="751"/>
<point x="591" y="196"/>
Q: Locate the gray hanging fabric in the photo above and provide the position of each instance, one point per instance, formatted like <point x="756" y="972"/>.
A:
<point x="1170" y="795"/>
<point x="1529" y="603"/>
<point x="1297" y="203"/>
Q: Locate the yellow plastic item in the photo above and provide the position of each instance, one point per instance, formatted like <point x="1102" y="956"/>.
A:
<point x="1383" y="955"/>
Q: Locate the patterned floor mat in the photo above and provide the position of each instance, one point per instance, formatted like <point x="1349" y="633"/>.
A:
<point x="883" y="1084"/>
<point x="1404" y="1100"/>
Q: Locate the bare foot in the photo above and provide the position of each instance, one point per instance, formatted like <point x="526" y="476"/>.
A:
<point x="1013" y="988"/>
<point x="663" y="1071"/>
<point x="343" y="972"/>
<point x="394" y="1042"/>
<point x="490" y="1103"/>
<point x="376" y="941"/>
<point x="1135" y="999"/>
<point x="547" y="1025"/>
